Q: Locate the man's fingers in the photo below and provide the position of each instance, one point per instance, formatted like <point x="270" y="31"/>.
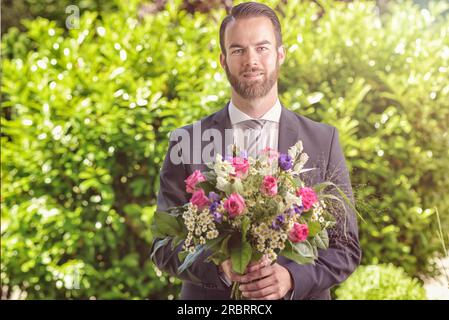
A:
<point x="265" y="293"/>
<point x="264" y="257"/>
<point x="236" y="278"/>
<point x="261" y="273"/>
<point x="252" y="270"/>
<point x="257" y="285"/>
<point x="258" y="265"/>
<point x="272" y="296"/>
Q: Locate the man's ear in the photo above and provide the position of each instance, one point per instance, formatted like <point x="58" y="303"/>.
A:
<point x="222" y="60"/>
<point x="281" y="54"/>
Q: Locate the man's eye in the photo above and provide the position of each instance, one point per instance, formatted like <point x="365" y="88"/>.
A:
<point x="262" y="48"/>
<point x="238" y="51"/>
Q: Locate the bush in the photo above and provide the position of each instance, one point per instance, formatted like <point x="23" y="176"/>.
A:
<point x="387" y="91"/>
<point x="13" y="11"/>
<point x="86" y="120"/>
<point x="86" y="115"/>
<point x="380" y="282"/>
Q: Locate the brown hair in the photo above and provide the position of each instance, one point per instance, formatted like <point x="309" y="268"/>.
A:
<point x="251" y="9"/>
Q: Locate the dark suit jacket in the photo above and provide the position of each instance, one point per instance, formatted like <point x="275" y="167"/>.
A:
<point x="321" y="143"/>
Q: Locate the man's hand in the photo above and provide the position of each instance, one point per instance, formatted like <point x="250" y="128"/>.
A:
<point x="271" y="282"/>
<point x="226" y="268"/>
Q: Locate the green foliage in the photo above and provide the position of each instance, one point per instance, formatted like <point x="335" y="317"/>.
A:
<point x="240" y="257"/>
<point x="85" y="122"/>
<point x="13" y="11"/>
<point x="380" y="282"/>
<point x="384" y="83"/>
<point x="166" y="225"/>
<point x="49" y="251"/>
<point x="86" y="115"/>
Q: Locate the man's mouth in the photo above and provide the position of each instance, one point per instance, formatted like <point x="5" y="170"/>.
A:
<point x="252" y="75"/>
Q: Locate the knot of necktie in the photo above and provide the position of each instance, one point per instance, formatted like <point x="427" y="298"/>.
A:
<point x="252" y="143"/>
<point x="254" y="124"/>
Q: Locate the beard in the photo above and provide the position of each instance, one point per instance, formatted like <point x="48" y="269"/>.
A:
<point x="253" y="89"/>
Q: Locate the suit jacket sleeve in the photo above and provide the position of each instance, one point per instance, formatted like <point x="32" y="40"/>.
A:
<point x="172" y="193"/>
<point x="342" y="257"/>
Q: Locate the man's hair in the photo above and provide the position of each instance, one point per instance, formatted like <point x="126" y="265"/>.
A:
<point x="248" y="10"/>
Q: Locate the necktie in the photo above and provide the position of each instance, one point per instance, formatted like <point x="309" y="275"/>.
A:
<point x="252" y="130"/>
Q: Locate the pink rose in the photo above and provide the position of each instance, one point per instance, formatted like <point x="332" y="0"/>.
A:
<point x="235" y="205"/>
<point x="199" y="198"/>
<point x="269" y="186"/>
<point x="240" y="165"/>
<point x="298" y="233"/>
<point x="192" y="180"/>
<point x="308" y="197"/>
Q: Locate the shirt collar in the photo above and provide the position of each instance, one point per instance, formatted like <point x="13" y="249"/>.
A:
<point x="236" y="115"/>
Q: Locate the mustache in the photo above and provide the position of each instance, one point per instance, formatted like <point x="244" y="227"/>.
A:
<point x="252" y="71"/>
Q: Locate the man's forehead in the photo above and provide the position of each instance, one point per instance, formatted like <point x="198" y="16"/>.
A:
<point x="249" y="31"/>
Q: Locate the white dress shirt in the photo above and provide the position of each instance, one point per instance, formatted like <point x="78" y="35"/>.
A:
<point x="270" y="131"/>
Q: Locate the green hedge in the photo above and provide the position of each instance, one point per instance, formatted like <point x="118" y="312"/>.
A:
<point x="86" y="116"/>
<point x="14" y="11"/>
<point x="380" y="282"/>
<point x="387" y="91"/>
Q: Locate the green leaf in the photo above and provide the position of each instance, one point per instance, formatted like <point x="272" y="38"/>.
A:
<point x="256" y="255"/>
<point x="138" y="186"/>
<point x="322" y="240"/>
<point x="314" y="228"/>
<point x="307" y="215"/>
<point x="182" y="255"/>
<point x="240" y="257"/>
<point x="191" y="257"/>
<point x="164" y="224"/>
<point x="210" y="176"/>
<point x="207" y="186"/>
<point x="217" y="257"/>
<point x="304" y="249"/>
<point x="132" y="210"/>
<point x="245" y="227"/>
<point x="224" y="246"/>
<point x="291" y="253"/>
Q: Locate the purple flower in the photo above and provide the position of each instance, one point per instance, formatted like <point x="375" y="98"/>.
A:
<point x="291" y="212"/>
<point x="280" y="218"/>
<point x="298" y="209"/>
<point x="213" y="197"/>
<point x="213" y="206"/>
<point x="218" y="217"/>
<point x="278" y="222"/>
<point x="285" y="161"/>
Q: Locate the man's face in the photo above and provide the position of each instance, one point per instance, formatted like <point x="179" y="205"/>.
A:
<point x="252" y="58"/>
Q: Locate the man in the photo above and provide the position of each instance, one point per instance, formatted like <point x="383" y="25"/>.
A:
<point x="252" y="52"/>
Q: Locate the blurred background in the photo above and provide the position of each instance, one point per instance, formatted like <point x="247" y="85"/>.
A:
<point x="91" y="89"/>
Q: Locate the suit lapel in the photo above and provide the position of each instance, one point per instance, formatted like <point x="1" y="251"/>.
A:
<point x="288" y="130"/>
<point x="221" y="122"/>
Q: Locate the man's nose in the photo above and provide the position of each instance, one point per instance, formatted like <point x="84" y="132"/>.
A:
<point x="251" y="58"/>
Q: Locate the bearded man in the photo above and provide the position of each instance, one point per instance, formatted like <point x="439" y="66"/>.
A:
<point x="251" y="55"/>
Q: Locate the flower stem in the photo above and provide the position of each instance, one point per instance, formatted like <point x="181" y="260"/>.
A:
<point x="235" y="291"/>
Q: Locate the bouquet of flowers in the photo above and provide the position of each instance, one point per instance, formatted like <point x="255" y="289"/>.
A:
<point x="244" y="208"/>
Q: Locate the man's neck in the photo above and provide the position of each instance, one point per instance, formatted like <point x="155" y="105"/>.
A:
<point x="255" y="108"/>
